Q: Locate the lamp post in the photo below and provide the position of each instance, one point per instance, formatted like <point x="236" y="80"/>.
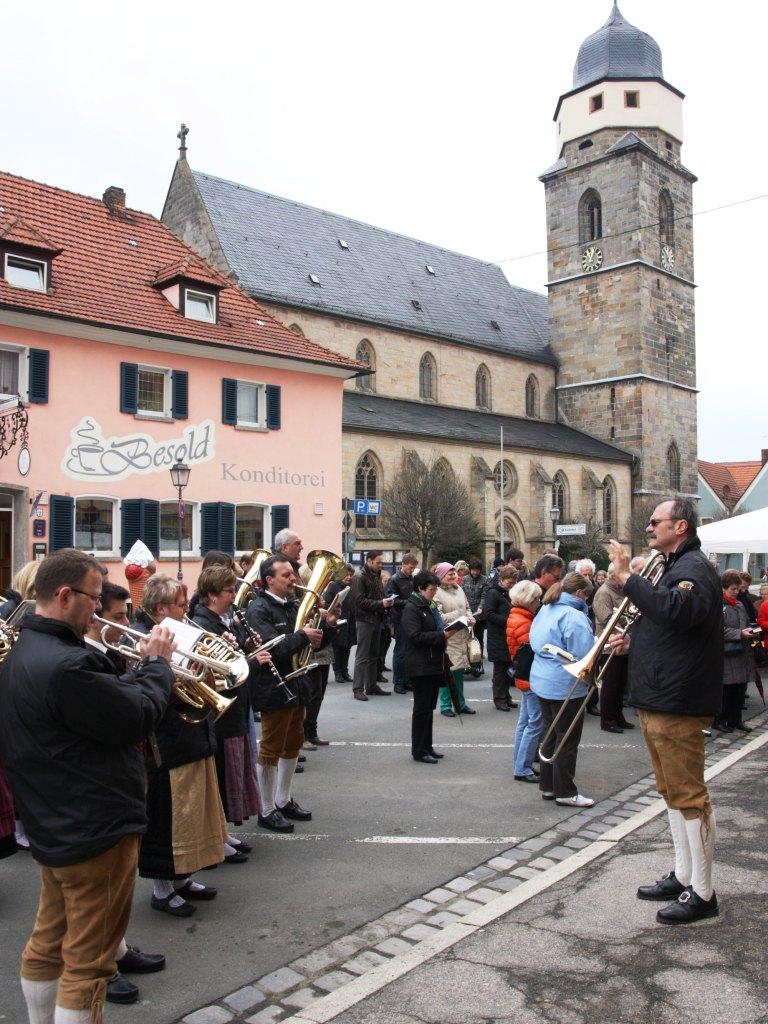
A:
<point x="180" y="478"/>
<point x="554" y="515"/>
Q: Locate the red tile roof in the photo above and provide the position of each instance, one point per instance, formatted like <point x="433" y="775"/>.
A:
<point x="190" y="268"/>
<point x="729" y="480"/>
<point x="14" y="229"/>
<point x="107" y="271"/>
<point x="744" y="472"/>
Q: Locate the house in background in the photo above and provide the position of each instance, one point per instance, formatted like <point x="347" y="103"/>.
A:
<point x="122" y="352"/>
<point x="730" y="488"/>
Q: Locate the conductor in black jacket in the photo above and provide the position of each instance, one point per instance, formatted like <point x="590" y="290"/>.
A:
<point x="69" y="737"/>
<point x="273" y="611"/>
<point x="675" y="681"/>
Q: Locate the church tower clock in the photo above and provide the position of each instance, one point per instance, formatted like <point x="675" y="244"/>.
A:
<point x="620" y="260"/>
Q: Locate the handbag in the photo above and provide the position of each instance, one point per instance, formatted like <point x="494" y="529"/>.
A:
<point x="523" y="662"/>
<point x="474" y="651"/>
<point x="733" y="647"/>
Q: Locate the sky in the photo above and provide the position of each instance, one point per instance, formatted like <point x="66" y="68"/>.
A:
<point x="433" y="119"/>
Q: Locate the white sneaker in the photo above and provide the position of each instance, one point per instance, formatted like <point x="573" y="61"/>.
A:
<point x="575" y="801"/>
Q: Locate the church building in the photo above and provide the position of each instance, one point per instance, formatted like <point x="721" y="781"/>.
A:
<point x="578" y="407"/>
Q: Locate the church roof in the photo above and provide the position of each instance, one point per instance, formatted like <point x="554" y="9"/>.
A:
<point x="375" y="414"/>
<point x="285" y="252"/>
<point x="617" y="50"/>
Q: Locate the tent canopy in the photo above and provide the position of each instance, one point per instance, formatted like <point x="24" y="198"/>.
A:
<point x="743" y="535"/>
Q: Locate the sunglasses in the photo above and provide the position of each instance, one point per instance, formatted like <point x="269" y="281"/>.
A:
<point x="655" y="522"/>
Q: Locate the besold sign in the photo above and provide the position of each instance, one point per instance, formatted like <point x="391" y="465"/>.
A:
<point x="91" y="456"/>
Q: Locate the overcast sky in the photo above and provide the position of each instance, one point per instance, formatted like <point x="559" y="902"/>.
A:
<point x="433" y="119"/>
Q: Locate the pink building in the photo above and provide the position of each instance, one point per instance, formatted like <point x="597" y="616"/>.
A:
<point x="128" y="353"/>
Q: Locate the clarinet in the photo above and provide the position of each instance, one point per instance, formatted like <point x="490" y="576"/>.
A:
<point x="253" y="639"/>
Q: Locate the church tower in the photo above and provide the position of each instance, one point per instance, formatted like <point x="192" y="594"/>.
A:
<point x="620" y="261"/>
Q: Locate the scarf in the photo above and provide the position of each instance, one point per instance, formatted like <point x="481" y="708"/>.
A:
<point x="733" y="601"/>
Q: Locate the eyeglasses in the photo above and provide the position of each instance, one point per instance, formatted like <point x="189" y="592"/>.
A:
<point x="655" y="522"/>
<point x="229" y="590"/>
<point x="96" y="598"/>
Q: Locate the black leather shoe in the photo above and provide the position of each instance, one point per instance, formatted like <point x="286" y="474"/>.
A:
<point x="433" y="753"/>
<point x="120" y="990"/>
<point x="347" y="677"/>
<point x="299" y="769"/>
<point x="721" y="727"/>
<point x="426" y="759"/>
<point x="400" y="689"/>
<point x="743" y="728"/>
<point x="468" y="711"/>
<point x="292" y="810"/>
<point x="302" y="758"/>
<point x="593" y="711"/>
<point x="667" y="888"/>
<point x="235" y="858"/>
<point x="612" y="728"/>
<point x="688" y="907"/>
<point x="624" y="724"/>
<point x="275" y="822"/>
<point x="242" y="847"/>
<point x="449" y="713"/>
<point x="359" y="695"/>
<point x="527" y="778"/>
<point x="136" y="962"/>
<point x="501" y="705"/>
<point x="378" y="692"/>
<point x="164" y="904"/>
<point x="187" y="892"/>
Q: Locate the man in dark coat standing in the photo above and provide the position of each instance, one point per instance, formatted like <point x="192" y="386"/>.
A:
<point x="675" y="682"/>
<point x="69" y="739"/>
<point x="370" y="605"/>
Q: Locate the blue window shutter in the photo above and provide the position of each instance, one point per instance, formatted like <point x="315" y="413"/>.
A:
<point x="139" y="520"/>
<point x="38" y="375"/>
<point x="180" y="392"/>
<point x="62" y="510"/>
<point x="227" y="527"/>
<point x="209" y="526"/>
<point x="280" y="519"/>
<point x="273" y="406"/>
<point x="129" y="387"/>
<point x="229" y="401"/>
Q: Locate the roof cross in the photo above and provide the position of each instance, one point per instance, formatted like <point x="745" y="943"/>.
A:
<point x="181" y="135"/>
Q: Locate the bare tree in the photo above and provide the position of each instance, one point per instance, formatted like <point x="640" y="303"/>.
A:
<point x="429" y="509"/>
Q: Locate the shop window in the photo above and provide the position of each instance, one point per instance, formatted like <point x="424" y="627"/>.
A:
<point x="249" y="528"/>
<point x="95" y="522"/>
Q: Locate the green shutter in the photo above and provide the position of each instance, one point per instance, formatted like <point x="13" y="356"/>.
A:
<point x="62" y="510"/>
<point x="38" y="375"/>
<point x="229" y="401"/>
<point x="129" y="387"/>
<point x="280" y="519"/>
<point x="273" y="406"/>
<point x="180" y="392"/>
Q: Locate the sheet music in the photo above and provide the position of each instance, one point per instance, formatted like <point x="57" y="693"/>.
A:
<point x="185" y="635"/>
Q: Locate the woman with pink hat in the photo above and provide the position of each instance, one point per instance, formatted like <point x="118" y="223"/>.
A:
<point x="452" y="604"/>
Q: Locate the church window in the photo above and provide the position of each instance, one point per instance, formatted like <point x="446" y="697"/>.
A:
<point x="590" y="217"/>
<point x="609" y="506"/>
<point x="673" y="467"/>
<point x="428" y="377"/>
<point x="613" y="399"/>
<point x="560" y="495"/>
<point x="532" y="397"/>
<point x="367" y="482"/>
<point x="586" y="144"/>
<point x="666" y="219"/>
<point x="483" y="387"/>
<point x="365" y="354"/>
<point x="631" y="98"/>
<point x="296" y="330"/>
<point x="595" y="103"/>
<point x="506" y="476"/>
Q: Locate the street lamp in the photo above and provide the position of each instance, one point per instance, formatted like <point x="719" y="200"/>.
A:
<point x="554" y="515"/>
<point x="180" y="478"/>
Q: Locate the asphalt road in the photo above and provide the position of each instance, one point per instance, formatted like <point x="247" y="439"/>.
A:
<point x="352" y="862"/>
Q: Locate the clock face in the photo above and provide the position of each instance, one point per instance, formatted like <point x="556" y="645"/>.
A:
<point x="668" y="257"/>
<point x="591" y="259"/>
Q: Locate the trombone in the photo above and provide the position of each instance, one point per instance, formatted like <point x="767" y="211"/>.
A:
<point x="189" y="682"/>
<point x="586" y="670"/>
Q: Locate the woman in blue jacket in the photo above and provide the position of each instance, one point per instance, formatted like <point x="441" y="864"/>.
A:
<point x="563" y="621"/>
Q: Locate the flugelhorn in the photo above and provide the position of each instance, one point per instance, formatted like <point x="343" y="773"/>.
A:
<point x="190" y="686"/>
<point x="586" y="669"/>
<point x="248" y="582"/>
<point x="212" y="648"/>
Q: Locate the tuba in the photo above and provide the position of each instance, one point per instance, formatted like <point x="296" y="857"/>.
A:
<point x="586" y="670"/>
<point x="251" y="579"/>
<point x="323" y="565"/>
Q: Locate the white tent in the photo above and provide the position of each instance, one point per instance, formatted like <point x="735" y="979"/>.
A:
<point x="745" y="536"/>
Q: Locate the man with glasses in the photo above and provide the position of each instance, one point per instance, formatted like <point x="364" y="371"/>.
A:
<point x="69" y="739"/>
<point x="675" y="681"/>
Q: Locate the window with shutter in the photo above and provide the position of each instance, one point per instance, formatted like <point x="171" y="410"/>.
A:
<point x="180" y="394"/>
<point x="217" y="527"/>
<point x="280" y="519"/>
<point x="229" y="401"/>
<point x="129" y="387"/>
<point x="273" y="406"/>
<point x="62" y="511"/>
<point x="250" y="404"/>
<point x="38" y="375"/>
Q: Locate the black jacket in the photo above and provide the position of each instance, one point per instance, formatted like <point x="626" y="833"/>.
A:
<point x="270" y="617"/>
<point x="400" y="586"/>
<point x="425" y="642"/>
<point x="346" y="635"/>
<point x="11" y="601"/>
<point x="70" y="731"/>
<point x="676" y="650"/>
<point x="496" y="606"/>
<point x="234" y="722"/>
<point x="367" y="595"/>
<point x="178" y="742"/>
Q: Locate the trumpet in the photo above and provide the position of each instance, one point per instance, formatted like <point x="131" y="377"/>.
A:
<point x="586" y="670"/>
<point x="190" y="686"/>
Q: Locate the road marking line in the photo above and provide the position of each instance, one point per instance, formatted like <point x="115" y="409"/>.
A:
<point x="373" y="981"/>
<point x="478" y="746"/>
<point x="415" y="840"/>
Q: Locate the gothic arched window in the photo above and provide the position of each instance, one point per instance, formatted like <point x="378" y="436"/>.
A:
<point x="365" y="354"/>
<point x="609" y="507"/>
<point x="428" y="377"/>
<point x="367" y="485"/>
<point x="509" y="477"/>
<point x="483" y="387"/>
<point x="673" y="467"/>
<point x="590" y="217"/>
<point x="532" y="397"/>
<point x="666" y="219"/>
<point x="560" y="495"/>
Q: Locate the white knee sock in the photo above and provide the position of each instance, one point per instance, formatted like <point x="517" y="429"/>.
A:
<point x="286" y="766"/>
<point x="266" y="775"/>
<point x="40" y="997"/>
<point x="122" y="949"/>
<point x="66" y="1016"/>
<point x="21" y="835"/>
<point x="682" y="849"/>
<point x="701" y="839"/>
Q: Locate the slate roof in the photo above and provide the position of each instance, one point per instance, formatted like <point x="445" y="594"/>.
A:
<point x="106" y="269"/>
<point x="375" y="414"/>
<point x="273" y="245"/>
<point x="617" y="50"/>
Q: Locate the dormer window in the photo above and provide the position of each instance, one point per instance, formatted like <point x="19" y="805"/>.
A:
<point x="200" y="306"/>
<point x="25" y="272"/>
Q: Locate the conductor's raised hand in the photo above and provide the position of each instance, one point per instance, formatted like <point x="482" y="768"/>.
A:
<point x="619" y="558"/>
